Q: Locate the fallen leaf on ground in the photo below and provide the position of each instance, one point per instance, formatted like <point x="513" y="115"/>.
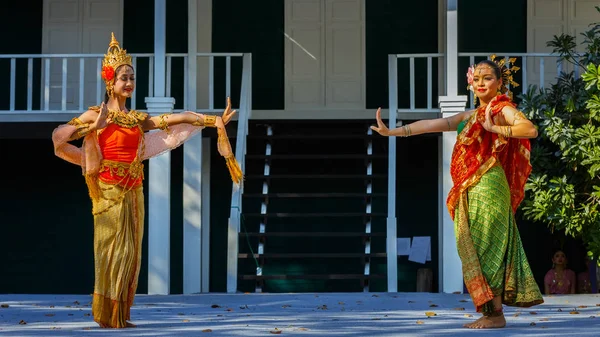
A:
<point x="22" y="322"/>
<point x="207" y="330"/>
<point x="574" y="312"/>
<point x="49" y="315"/>
<point x="592" y="316"/>
<point x="4" y="305"/>
<point x="229" y="309"/>
<point x="180" y="313"/>
<point x="374" y="295"/>
<point x="457" y="293"/>
<point x="219" y="315"/>
<point x="459" y="309"/>
<point x="559" y="310"/>
<point x="215" y="306"/>
<point x="341" y="303"/>
<point x="516" y="315"/>
<point x="86" y="328"/>
<point x="468" y="315"/>
<point x="430" y="314"/>
<point x="286" y="306"/>
<point x="322" y="307"/>
<point x="532" y="324"/>
<point x="186" y="321"/>
<point x="376" y="319"/>
<point x="463" y="301"/>
<point x="86" y="315"/>
<point x="76" y="302"/>
<point x="598" y="305"/>
<point x="244" y="306"/>
<point x="302" y="329"/>
<point x="582" y="306"/>
<point x="276" y="331"/>
<point x="411" y="301"/>
<point x="433" y="305"/>
<point x="544" y="320"/>
<point x="419" y="322"/>
<point x="55" y="328"/>
<point x="533" y="313"/>
<point x="51" y="306"/>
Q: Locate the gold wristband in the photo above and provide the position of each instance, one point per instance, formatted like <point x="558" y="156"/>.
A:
<point x="210" y="121"/>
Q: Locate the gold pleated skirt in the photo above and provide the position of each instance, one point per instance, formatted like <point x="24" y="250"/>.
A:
<point x="118" y="232"/>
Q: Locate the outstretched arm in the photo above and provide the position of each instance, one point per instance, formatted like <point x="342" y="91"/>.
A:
<point x="189" y="117"/>
<point x="422" y="126"/>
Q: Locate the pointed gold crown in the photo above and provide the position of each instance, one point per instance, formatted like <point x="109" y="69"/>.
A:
<point x="115" y="56"/>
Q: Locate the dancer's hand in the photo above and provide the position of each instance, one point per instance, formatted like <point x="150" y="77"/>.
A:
<point x="102" y="120"/>
<point x="228" y="113"/>
<point x="488" y="123"/>
<point x="380" y="128"/>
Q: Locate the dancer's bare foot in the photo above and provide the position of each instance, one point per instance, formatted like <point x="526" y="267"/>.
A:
<point x="468" y="325"/>
<point x="103" y="326"/>
<point x="488" y="322"/>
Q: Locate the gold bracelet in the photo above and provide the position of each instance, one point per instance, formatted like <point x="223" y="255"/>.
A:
<point x="164" y="125"/>
<point x="210" y="121"/>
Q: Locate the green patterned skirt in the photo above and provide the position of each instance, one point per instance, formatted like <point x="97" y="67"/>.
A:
<point x="490" y="248"/>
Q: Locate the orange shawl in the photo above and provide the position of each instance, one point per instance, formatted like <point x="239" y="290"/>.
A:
<point x="477" y="150"/>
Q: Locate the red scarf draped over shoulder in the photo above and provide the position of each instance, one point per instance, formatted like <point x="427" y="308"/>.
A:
<point x="477" y="150"/>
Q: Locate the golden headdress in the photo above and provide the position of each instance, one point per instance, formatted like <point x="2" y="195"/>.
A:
<point x="113" y="59"/>
<point x="506" y="69"/>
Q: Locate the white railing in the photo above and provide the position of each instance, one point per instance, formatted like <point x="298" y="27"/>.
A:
<point x="536" y="68"/>
<point x="69" y="83"/>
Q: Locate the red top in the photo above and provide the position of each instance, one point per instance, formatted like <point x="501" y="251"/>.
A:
<point x="119" y="146"/>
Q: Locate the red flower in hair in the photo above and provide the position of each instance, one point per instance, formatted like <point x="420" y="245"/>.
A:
<point x="108" y="73"/>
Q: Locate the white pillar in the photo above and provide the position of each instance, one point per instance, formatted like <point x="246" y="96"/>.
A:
<point x="450" y="267"/>
<point x="391" y="221"/>
<point x="192" y="165"/>
<point x="196" y="232"/>
<point x="159" y="203"/>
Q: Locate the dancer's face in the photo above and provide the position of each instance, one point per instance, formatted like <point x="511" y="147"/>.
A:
<point x="485" y="82"/>
<point x="559" y="259"/>
<point x="124" y="82"/>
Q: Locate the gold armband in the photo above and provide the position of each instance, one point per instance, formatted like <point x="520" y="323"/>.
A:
<point x="520" y="115"/>
<point x="82" y="129"/>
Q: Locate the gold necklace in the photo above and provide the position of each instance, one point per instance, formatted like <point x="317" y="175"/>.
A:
<point x="124" y="119"/>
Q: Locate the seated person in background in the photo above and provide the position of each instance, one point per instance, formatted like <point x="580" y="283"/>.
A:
<point x="559" y="279"/>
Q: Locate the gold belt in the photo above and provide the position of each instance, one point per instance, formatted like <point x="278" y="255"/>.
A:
<point x="135" y="169"/>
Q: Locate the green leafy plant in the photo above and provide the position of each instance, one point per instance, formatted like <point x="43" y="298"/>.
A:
<point x="563" y="190"/>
